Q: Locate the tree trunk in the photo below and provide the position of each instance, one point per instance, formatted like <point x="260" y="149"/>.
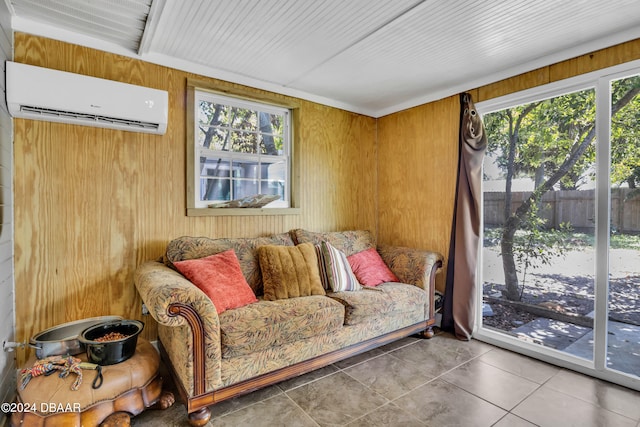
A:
<point x="512" y="291"/>
<point x="511" y="222"/>
<point x="513" y="139"/>
<point x="267" y="137"/>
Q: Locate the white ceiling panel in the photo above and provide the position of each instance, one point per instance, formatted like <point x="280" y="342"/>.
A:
<point x="369" y="56"/>
<point x="436" y="46"/>
<point x="120" y="22"/>
<point x="275" y="41"/>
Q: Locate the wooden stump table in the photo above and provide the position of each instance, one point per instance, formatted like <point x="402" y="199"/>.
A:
<point x="128" y="388"/>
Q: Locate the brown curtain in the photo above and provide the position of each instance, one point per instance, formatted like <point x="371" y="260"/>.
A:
<point x="460" y="294"/>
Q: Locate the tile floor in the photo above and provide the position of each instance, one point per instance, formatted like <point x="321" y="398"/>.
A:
<point x="439" y="382"/>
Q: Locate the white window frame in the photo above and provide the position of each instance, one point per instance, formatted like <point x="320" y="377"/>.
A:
<point x="198" y="207"/>
<point x="598" y="80"/>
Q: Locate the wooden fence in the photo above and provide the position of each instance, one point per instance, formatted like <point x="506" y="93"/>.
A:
<point x="576" y="207"/>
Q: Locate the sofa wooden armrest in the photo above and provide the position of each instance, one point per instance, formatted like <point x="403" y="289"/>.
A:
<point x="183" y="310"/>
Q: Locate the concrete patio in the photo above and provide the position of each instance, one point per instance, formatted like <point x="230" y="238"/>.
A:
<point x="623" y="341"/>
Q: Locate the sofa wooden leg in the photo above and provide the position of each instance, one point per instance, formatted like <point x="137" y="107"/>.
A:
<point x="200" y="417"/>
<point x="427" y="333"/>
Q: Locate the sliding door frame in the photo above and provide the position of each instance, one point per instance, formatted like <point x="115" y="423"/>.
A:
<point x="600" y="81"/>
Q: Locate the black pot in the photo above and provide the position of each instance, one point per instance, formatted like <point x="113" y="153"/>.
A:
<point x="115" y="351"/>
<point x="63" y="339"/>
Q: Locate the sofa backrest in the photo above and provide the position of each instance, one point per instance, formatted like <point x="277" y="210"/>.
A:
<point x="350" y="242"/>
<point x="186" y="247"/>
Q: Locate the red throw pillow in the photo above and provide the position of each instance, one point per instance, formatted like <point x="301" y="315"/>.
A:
<point x="370" y="269"/>
<point x="219" y="276"/>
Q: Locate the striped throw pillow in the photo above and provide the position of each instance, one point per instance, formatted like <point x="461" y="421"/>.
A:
<point x="335" y="271"/>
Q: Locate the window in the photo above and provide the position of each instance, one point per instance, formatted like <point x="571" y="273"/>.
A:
<point x="241" y="150"/>
<point x="561" y="235"/>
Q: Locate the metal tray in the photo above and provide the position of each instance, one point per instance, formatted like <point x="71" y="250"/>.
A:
<point x="63" y="339"/>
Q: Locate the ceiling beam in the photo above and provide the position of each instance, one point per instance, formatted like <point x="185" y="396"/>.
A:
<point x="151" y="25"/>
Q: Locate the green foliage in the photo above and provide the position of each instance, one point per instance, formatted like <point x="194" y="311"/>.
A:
<point x="553" y="142"/>
<point x="625" y="135"/>
<point x="616" y="241"/>
<point x="240" y="130"/>
<point x="572" y="240"/>
<point x="534" y="245"/>
<point x="547" y="133"/>
<point x="544" y="135"/>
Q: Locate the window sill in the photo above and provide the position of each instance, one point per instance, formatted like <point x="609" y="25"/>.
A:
<point x="241" y="211"/>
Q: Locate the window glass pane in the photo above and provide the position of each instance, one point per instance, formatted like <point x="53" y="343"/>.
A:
<point x="250" y="169"/>
<point x="276" y="179"/>
<point x="538" y="254"/>
<point x="623" y="311"/>
<point x="251" y="141"/>
<point x="200" y="136"/>
<point x="214" y="178"/>
<point x="207" y="113"/>
<point x="215" y="189"/>
<point x="245" y="187"/>
<point x="242" y="118"/>
<point x="226" y="116"/>
<point x="219" y="139"/>
<point x="243" y="142"/>
<point x="214" y="167"/>
<point x="271" y="128"/>
<point x="213" y="138"/>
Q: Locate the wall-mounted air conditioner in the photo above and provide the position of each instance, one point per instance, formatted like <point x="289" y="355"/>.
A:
<point x="43" y="94"/>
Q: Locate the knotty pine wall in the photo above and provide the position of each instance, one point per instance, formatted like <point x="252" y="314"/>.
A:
<point x="91" y="204"/>
<point x="417" y="178"/>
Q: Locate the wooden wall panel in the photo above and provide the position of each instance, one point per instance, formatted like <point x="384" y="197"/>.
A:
<point x="418" y="155"/>
<point x="597" y="60"/>
<point x="514" y="84"/>
<point x="91" y="204"/>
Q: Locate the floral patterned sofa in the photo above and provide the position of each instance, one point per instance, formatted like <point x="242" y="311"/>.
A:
<point x="215" y="354"/>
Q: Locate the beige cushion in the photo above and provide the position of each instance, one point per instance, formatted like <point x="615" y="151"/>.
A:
<point x="289" y="271"/>
<point x="385" y="299"/>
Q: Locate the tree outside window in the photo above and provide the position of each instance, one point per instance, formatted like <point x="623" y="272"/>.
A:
<point x="242" y="150"/>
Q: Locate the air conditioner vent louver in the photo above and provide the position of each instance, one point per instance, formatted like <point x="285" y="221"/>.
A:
<point x="38" y="93"/>
<point x="86" y="117"/>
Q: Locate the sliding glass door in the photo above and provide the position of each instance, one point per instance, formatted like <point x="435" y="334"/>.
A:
<point x="623" y="296"/>
<point x="560" y="258"/>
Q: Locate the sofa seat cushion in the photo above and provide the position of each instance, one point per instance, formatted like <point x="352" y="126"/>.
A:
<point x="265" y="324"/>
<point x="387" y="298"/>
